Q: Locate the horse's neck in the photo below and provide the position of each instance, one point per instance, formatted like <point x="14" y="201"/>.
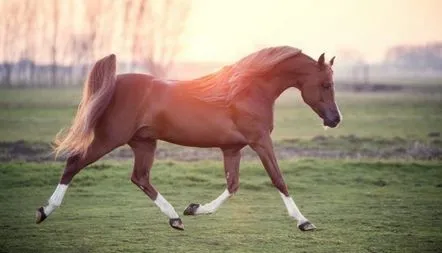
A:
<point x="288" y="74"/>
<point x="273" y="88"/>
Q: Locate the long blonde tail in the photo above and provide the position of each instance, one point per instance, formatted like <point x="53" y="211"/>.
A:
<point x="97" y="94"/>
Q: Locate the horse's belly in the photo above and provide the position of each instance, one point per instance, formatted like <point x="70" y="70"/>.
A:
<point x="207" y="130"/>
<point x="202" y="139"/>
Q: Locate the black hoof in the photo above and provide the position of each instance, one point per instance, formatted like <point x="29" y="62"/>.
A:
<point x="191" y="209"/>
<point x="307" y="226"/>
<point x="40" y="215"/>
<point x="176" y="224"/>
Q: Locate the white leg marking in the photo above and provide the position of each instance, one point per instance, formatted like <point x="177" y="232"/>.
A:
<point x="56" y="199"/>
<point x="214" y="205"/>
<point x="292" y="209"/>
<point x="165" y="207"/>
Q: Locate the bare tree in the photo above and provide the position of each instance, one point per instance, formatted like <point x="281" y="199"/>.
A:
<point x="30" y="28"/>
<point x="10" y="23"/>
<point x="55" y="21"/>
<point x="93" y="10"/>
<point x="156" y="35"/>
<point x="96" y="37"/>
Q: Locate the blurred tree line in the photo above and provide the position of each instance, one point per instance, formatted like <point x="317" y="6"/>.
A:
<point x="401" y="62"/>
<point x="54" y="42"/>
<point x="422" y="57"/>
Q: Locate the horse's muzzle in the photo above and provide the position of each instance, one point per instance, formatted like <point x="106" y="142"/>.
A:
<point x="331" y="118"/>
<point x="331" y="124"/>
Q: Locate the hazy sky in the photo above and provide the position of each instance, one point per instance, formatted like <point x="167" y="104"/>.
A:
<point x="227" y="30"/>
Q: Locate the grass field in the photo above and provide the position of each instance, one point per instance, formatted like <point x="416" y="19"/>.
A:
<point x="382" y="192"/>
<point x="358" y="206"/>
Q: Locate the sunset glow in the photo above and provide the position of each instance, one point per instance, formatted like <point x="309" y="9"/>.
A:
<point x="226" y="30"/>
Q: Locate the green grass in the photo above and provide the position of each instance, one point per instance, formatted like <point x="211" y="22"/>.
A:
<point x="385" y="115"/>
<point x="358" y="206"/>
<point x="38" y="114"/>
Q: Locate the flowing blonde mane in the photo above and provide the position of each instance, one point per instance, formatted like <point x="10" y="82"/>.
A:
<point x="223" y="86"/>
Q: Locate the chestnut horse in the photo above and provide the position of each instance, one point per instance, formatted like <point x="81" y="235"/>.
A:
<point x="229" y="109"/>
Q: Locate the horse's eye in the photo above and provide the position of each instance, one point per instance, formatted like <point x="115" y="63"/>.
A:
<point x="326" y="85"/>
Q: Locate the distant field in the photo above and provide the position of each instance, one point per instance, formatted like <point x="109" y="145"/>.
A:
<point x="38" y="114"/>
<point x="358" y="206"/>
<point x="35" y="114"/>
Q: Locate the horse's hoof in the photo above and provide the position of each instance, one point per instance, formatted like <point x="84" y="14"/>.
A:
<point x="40" y="215"/>
<point x="191" y="209"/>
<point x="307" y="226"/>
<point x="176" y="224"/>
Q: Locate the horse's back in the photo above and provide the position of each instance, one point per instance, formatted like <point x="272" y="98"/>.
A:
<point x="146" y="107"/>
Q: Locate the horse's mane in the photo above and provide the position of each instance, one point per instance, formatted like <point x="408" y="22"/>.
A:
<point x="224" y="85"/>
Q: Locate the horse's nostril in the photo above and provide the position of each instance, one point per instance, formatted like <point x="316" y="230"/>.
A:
<point x="335" y="120"/>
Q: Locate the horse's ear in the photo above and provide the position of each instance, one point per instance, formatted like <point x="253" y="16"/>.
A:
<point x="321" y="60"/>
<point x="332" y="60"/>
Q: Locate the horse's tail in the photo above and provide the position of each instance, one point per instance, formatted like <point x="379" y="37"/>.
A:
<point x="97" y="94"/>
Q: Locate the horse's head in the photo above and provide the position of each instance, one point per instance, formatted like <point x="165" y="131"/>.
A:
<point x="317" y="89"/>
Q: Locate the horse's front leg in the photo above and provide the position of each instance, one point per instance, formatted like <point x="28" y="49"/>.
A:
<point x="264" y="148"/>
<point x="232" y="157"/>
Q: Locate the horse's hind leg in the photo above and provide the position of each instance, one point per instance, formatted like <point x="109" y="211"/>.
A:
<point x="232" y="159"/>
<point x="144" y="152"/>
<point x="73" y="165"/>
